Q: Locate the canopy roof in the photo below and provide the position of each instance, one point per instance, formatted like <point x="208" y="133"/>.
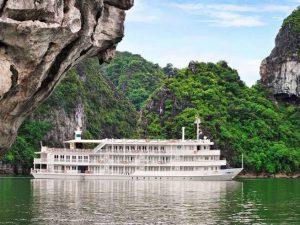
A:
<point x="141" y="141"/>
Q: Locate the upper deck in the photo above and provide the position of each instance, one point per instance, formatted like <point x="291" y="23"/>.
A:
<point x="153" y="142"/>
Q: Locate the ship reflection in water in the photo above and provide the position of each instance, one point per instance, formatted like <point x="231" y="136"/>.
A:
<point x="130" y="202"/>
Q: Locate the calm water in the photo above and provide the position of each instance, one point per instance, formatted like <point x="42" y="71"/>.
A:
<point x="28" y="201"/>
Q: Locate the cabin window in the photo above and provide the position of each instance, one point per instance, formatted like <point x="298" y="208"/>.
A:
<point x="178" y="147"/>
<point x="206" y="158"/>
<point x="198" y="147"/>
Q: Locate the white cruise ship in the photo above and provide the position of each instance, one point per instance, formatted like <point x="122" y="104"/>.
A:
<point x="136" y="159"/>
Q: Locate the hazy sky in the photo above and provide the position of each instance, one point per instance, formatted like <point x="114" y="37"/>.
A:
<point x="178" y="31"/>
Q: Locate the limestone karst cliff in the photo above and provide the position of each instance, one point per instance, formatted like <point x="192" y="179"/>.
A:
<point x="40" y="41"/>
<point x="87" y="99"/>
<point x="281" y="70"/>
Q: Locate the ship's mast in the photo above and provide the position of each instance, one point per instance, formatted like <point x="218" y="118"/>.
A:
<point x="198" y="121"/>
<point x="242" y="161"/>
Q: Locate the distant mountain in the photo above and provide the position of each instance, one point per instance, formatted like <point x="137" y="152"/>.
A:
<point x="136" y="77"/>
<point x="239" y="119"/>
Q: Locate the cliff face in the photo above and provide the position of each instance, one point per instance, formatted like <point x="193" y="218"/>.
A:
<point x="86" y="99"/>
<point x="281" y="70"/>
<point x="40" y="41"/>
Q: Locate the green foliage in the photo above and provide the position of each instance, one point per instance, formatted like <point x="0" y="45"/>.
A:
<point x="294" y="21"/>
<point x="27" y="142"/>
<point x="238" y="118"/>
<point x="135" y="76"/>
<point x="108" y="113"/>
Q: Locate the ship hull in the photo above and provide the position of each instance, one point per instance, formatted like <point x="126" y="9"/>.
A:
<point x="224" y="175"/>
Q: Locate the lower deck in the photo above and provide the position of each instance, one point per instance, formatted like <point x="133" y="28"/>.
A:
<point x="122" y="170"/>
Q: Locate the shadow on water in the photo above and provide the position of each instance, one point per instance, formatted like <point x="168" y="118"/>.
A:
<point x="25" y="201"/>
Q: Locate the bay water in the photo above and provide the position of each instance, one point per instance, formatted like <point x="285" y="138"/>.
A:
<point x="253" y="201"/>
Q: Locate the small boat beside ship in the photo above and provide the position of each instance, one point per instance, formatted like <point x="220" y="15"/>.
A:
<point x="134" y="159"/>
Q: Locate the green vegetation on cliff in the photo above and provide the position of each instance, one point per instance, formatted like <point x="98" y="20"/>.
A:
<point x="293" y="20"/>
<point x="107" y="113"/>
<point x="23" y="150"/>
<point x="136" y="77"/>
<point x="239" y="119"/>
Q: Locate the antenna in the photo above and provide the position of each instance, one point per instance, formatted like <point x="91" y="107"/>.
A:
<point x="198" y="121"/>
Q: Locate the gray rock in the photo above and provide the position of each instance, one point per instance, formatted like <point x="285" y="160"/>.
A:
<point x="40" y="40"/>
<point x="281" y="70"/>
